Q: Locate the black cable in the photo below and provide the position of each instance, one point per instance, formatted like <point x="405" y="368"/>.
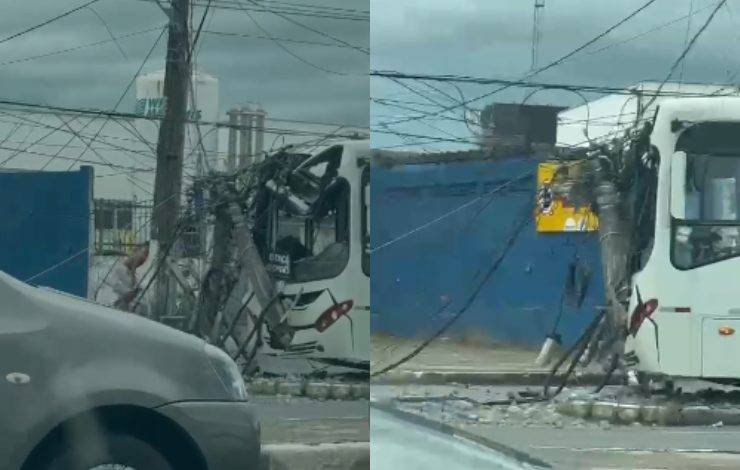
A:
<point x="541" y="69"/>
<point x="196" y="36"/>
<point x="110" y="32"/>
<point x="77" y="48"/>
<point x="273" y="38"/>
<point x="452" y="78"/>
<point x="580" y="344"/>
<point x="612" y="367"/>
<point x="291" y="11"/>
<point x="44" y="23"/>
<point x="121" y="97"/>
<point x="316" y="31"/>
<point x="285" y="48"/>
<point x="494" y="267"/>
<point x="685" y="51"/>
<point x="162" y="261"/>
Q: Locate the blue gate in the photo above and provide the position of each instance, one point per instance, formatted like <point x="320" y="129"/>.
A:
<point x="45" y="226"/>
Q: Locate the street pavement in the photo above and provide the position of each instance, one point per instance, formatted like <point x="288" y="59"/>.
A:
<point x="566" y="443"/>
<point x="300" y="420"/>
<point x="631" y="447"/>
<point x="396" y="442"/>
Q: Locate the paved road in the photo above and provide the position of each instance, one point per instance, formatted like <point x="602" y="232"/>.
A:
<point x="302" y="420"/>
<point x="572" y="445"/>
<point x="397" y="443"/>
<point x="623" y="447"/>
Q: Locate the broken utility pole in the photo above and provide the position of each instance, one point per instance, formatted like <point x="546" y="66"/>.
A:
<point x="168" y="179"/>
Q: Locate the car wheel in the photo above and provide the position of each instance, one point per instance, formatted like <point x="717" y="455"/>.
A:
<point x="111" y="452"/>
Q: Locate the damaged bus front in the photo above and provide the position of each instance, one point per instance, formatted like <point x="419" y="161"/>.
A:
<point x="684" y="311"/>
<point x="314" y="240"/>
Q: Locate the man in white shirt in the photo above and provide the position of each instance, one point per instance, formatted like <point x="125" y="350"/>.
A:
<point x="120" y="288"/>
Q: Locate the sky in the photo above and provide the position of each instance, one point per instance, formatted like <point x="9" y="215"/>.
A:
<point x="492" y="38"/>
<point x="249" y="69"/>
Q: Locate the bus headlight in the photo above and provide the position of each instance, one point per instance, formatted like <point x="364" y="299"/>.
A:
<point x="228" y="372"/>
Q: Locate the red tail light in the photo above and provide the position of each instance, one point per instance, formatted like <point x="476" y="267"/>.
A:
<point x="332" y="314"/>
<point x="641" y="312"/>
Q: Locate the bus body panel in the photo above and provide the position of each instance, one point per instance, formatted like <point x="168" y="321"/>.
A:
<point x="693" y="303"/>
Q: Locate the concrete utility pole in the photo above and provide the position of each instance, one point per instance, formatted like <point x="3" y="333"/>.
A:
<point x="168" y="179"/>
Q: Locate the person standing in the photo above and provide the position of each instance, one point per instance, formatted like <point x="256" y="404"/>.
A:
<point x="120" y="288"/>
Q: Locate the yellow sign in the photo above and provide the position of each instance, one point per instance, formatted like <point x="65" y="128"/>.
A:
<point x="556" y="214"/>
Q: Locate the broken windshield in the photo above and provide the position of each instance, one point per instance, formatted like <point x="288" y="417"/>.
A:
<point x="311" y="219"/>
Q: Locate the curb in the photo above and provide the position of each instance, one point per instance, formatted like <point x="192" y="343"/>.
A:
<point x="486" y="378"/>
<point x="346" y="456"/>
<point x="663" y="414"/>
<point x="314" y="390"/>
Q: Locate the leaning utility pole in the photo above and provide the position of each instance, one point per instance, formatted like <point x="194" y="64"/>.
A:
<point x="168" y="179"/>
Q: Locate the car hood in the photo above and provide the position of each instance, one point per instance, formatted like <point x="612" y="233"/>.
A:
<point x="55" y="306"/>
<point x="68" y="337"/>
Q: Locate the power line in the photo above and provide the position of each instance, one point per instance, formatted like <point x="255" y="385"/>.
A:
<point x="118" y="103"/>
<point x="274" y="38"/>
<point x="49" y="21"/>
<point x="63" y="110"/>
<point x="652" y="30"/>
<point x="285" y="48"/>
<point x="60" y="157"/>
<point x="77" y="48"/>
<point x="685" y="52"/>
<point x="552" y="64"/>
<point x="316" y="31"/>
<point x="523" y="222"/>
<point x="524" y="84"/>
<point x="110" y="33"/>
<point x="447" y="214"/>
<point x="315" y="7"/>
<point x="290" y="10"/>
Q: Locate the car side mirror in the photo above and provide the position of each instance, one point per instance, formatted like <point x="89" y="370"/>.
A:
<point x="678" y="185"/>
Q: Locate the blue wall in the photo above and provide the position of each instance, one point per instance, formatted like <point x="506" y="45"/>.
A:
<point x="44" y="220"/>
<point x="413" y="277"/>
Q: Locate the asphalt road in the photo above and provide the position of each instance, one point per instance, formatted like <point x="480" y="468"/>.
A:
<point x="622" y="447"/>
<point x="572" y="445"/>
<point x="306" y="421"/>
<point x="399" y="443"/>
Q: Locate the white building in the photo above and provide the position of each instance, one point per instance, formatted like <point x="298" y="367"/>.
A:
<point x="150" y="103"/>
<point x="610" y="115"/>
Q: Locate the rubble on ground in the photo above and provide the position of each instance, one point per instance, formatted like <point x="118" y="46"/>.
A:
<point x="574" y="407"/>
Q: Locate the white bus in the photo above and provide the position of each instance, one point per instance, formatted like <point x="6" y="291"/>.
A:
<point x="317" y="237"/>
<point x="684" y="312"/>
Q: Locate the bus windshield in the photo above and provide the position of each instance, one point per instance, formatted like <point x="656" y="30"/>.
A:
<point x="710" y="229"/>
<point x="316" y="238"/>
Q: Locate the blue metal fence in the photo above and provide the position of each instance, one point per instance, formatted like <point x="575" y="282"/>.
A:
<point x="45" y="223"/>
<point x="415" y="272"/>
